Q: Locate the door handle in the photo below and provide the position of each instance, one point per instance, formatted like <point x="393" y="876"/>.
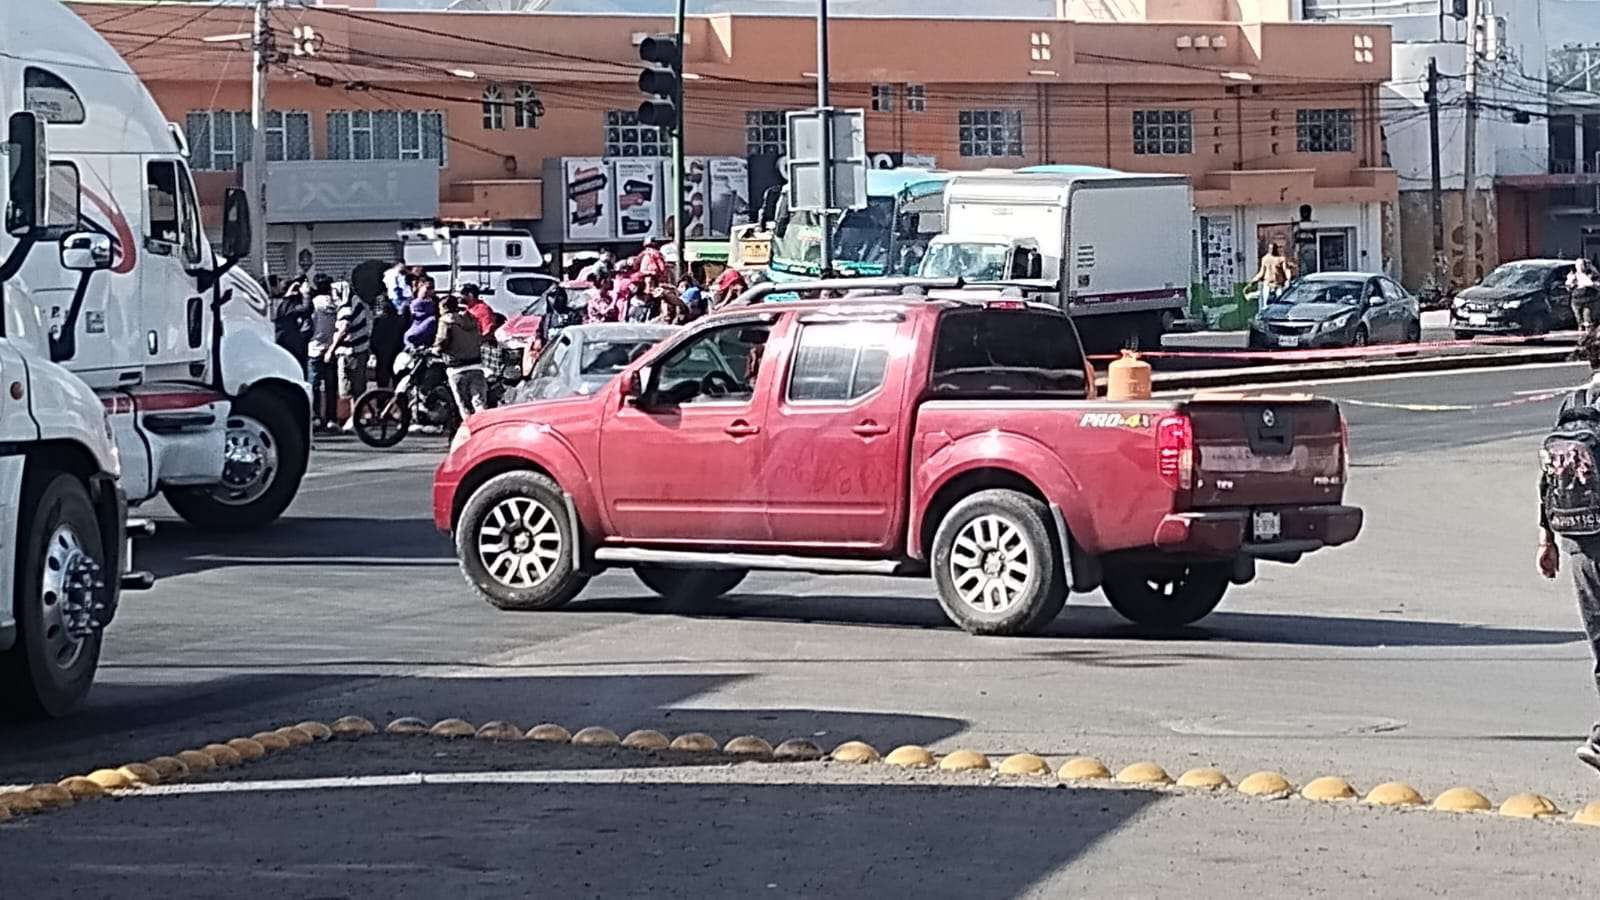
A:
<point x="870" y="428"/>
<point x="741" y="428"/>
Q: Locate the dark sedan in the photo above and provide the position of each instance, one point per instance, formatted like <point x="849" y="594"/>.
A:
<point x="1338" y="309"/>
<point x="584" y="358"/>
<point x="1525" y="297"/>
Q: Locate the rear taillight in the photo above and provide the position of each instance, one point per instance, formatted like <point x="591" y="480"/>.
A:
<point x="1175" y="451"/>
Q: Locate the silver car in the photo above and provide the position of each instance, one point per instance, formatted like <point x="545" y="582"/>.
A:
<point x="1338" y="309"/>
<point x="583" y="359"/>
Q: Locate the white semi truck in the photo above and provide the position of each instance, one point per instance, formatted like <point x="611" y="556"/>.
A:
<point x="64" y="553"/>
<point x="205" y="407"/>
<point x="1111" y="248"/>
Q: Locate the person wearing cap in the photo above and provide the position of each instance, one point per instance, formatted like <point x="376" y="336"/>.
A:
<point x="652" y="265"/>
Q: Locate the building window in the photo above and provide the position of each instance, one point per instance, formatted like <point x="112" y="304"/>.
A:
<point x="883" y="98"/>
<point x="1324" y="130"/>
<point x="626" y="137"/>
<point x="387" y="134"/>
<point x="494" y="108"/>
<point x="219" y="139"/>
<point x="1163" y="132"/>
<point x="990" y="132"/>
<point x="916" y="98"/>
<point x="527" y="107"/>
<point x="765" y="133"/>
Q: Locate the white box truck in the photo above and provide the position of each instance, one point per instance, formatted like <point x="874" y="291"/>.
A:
<point x="505" y="263"/>
<point x="205" y="407"/>
<point x="1113" y="249"/>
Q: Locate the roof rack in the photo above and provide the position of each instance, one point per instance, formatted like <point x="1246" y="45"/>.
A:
<point x="760" y="292"/>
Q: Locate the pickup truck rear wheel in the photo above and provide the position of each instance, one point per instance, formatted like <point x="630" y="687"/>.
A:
<point x="996" y="564"/>
<point x="1167" y="596"/>
<point x="515" y="543"/>
<point x="689" y="585"/>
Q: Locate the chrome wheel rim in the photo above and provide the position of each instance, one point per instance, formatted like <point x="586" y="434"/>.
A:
<point x="991" y="565"/>
<point x="69" y="588"/>
<point x="249" y="462"/>
<point x="520" y="542"/>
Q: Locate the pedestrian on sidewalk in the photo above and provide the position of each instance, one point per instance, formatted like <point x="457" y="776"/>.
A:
<point x="1273" y="276"/>
<point x="1584" y="286"/>
<point x="1569" y="508"/>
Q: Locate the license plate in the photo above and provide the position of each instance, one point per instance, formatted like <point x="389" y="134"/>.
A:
<point x="1478" y="319"/>
<point x="1266" y="526"/>
<point x="1288" y="340"/>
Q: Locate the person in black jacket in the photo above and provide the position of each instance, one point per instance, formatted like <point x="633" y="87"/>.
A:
<point x="1583" y="553"/>
<point x="292" y="321"/>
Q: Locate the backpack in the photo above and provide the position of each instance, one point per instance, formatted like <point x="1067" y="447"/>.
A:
<point x="1570" y="467"/>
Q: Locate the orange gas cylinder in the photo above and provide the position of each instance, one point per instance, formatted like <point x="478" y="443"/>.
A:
<point x="1128" y="378"/>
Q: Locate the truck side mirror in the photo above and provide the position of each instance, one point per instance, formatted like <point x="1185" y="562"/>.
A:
<point x="28" y="166"/>
<point x="86" y="251"/>
<point x="235" y="224"/>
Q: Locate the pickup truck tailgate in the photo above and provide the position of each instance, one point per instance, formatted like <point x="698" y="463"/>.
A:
<point x="1257" y="451"/>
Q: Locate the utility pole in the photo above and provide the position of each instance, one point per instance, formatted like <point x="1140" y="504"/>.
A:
<point x="1469" y="153"/>
<point x="679" y="190"/>
<point x="262" y="45"/>
<point x="825" y="116"/>
<point x="1440" y="270"/>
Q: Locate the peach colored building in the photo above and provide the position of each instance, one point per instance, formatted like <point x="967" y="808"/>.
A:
<point x="1276" y="122"/>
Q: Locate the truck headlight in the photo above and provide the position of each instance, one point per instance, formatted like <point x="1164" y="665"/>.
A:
<point x="1458" y="302"/>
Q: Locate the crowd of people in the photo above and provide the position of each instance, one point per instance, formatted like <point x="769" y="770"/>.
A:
<point x="345" y="336"/>
<point x="349" y="332"/>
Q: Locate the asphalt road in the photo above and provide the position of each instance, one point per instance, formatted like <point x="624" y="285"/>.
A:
<point x="1429" y="651"/>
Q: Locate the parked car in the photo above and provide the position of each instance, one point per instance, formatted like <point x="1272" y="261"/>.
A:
<point x="584" y="358"/>
<point x="1525" y="297"/>
<point x="1338" y="309"/>
<point x="954" y="438"/>
<point x="521" y="327"/>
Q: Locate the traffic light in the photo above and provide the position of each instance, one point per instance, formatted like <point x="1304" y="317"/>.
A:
<point x="1455" y="8"/>
<point x="662" y="81"/>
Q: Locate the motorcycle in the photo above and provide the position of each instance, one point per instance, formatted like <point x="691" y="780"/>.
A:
<point x="421" y="397"/>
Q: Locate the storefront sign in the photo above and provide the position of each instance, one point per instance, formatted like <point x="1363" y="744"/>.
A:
<point x="327" y="190"/>
<point x="588" y="200"/>
<point x="637" y="192"/>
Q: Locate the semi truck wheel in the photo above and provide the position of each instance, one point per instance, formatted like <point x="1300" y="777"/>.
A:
<point x="264" y="460"/>
<point x="60" y="579"/>
<point x="689" y="585"/>
<point x="996" y="564"/>
<point x="515" y="543"/>
<point x="1167" y="596"/>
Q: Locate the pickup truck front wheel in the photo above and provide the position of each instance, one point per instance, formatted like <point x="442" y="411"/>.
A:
<point x="679" y="586"/>
<point x="515" y="543"/>
<point x="996" y="565"/>
<point x="1167" y="596"/>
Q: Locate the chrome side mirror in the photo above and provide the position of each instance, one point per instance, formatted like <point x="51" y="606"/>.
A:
<point x="86" y="251"/>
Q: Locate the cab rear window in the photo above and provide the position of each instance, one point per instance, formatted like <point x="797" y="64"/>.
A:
<point x="1007" y="353"/>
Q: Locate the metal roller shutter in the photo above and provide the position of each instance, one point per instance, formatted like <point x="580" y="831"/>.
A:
<point x="280" y="260"/>
<point x="336" y="259"/>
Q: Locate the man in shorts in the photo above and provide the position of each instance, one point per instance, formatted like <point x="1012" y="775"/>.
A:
<point x="352" y="347"/>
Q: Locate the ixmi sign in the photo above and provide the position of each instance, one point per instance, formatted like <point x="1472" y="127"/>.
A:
<point x="352" y="190"/>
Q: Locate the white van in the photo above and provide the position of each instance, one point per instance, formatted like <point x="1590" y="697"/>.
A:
<point x="205" y="407"/>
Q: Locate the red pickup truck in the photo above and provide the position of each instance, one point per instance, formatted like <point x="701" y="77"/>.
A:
<point x="896" y="435"/>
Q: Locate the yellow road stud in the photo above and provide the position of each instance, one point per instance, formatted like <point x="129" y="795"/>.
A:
<point x="248" y="750"/>
<point x="1025" y="764"/>
<point x="695" y="742"/>
<point x="1144" y="773"/>
<point x="1328" y="787"/>
<point x="747" y="745"/>
<point x="1394" y="793"/>
<point x="20" y="802"/>
<point x="352" y="727"/>
<point x="406" y="725"/>
<point x="223" y="755"/>
<point x="1528" y="806"/>
<point x="271" y="741"/>
<point x="797" y="750"/>
<point x="911" y="756"/>
<point x="197" y="762"/>
<point x="171" y="767"/>
<point x="1204" y="779"/>
<point x="453" y="728"/>
<point x="1083" y="768"/>
<point x="111" y="779"/>
<point x="81" y="788"/>
<point x="596" y="736"/>
<point x="1462" y="799"/>
<point x="549" y="733"/>
<point x="645" y="739"/>
<point x="50" y="796"/>
<point x="141" y="773"/>
<point x="964" y="761"/>
<point x="1589" y="815"/>
<point x="500" y="731"/>
<point x="318" y="731"/>
<point x="1270" y="785"/>
<point x="855" y="752"/>
<point x="295" y="736"/>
